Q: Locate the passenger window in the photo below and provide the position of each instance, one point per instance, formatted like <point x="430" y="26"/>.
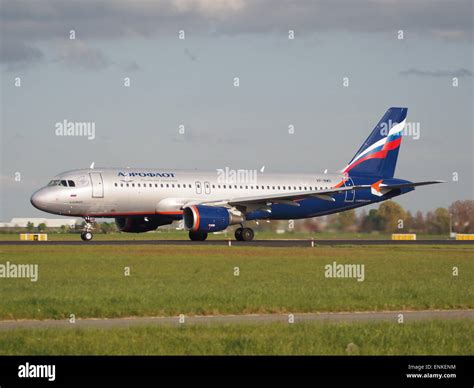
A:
<point x="115" y="184"/>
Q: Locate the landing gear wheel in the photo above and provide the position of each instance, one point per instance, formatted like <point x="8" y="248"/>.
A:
<point x="238" y="234"/>
<point x="247" y="234"/>
<point x="86" y="236"/>
<point x="197" y="236"/>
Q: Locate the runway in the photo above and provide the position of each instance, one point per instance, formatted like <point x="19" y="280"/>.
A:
<point x="255" y="243"/>
<point x="348" y="317"/>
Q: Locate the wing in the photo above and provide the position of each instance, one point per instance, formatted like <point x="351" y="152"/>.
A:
<point x="292" y="199"/>
<point x="281" y="198"/>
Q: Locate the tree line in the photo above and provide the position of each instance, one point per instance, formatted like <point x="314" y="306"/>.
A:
<point x="390" y="217"/>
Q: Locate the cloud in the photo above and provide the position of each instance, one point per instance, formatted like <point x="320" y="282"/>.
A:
<point x="437" y="73"/>
<point x="131" y="67"/>
<point x="17" y="54"/>
<point x="77" y="54"/>
<point x="31" y="22"/>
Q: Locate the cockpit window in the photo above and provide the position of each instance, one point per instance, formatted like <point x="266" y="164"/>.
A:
<point x="63" y="182"/>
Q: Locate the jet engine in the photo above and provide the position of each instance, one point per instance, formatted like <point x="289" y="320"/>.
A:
<point x="201" y="218"/>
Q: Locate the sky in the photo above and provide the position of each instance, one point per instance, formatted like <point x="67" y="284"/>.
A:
<point x="417" y="54"/>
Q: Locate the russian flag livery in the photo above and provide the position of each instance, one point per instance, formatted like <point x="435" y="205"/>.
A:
<point x="377" y="157"/>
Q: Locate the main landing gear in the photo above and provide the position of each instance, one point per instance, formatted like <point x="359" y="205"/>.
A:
<point x="241" y="234"/>
<point x="244" y="234"/>
<point x="87" y="235"/>
<point x="197" y="236"/>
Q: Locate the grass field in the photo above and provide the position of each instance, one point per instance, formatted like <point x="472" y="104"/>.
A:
<point x="89" y="281"/>
<point x="432" y="337"/>
<point x="259" y="235"/>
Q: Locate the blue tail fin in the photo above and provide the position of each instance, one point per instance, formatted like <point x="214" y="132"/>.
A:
<point x="378" y="155"/>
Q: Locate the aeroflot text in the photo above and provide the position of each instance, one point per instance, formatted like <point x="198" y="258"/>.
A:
<point x="148" y="174"/>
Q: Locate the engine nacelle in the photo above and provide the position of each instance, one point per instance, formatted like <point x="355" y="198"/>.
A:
<point x="200" y="218"/>
<point x="140" y="224"/>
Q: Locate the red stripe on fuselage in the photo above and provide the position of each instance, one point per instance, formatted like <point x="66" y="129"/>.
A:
<point x="340" y="184"/>
<point x="179" y="212"/>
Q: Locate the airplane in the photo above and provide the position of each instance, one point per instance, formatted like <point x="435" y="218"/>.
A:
<point x="142" y="199"/>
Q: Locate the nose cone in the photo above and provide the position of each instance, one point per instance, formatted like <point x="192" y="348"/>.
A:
<point x="40" y="199"/>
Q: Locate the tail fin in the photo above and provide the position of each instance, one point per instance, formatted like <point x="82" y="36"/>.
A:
<point x="378" y="155"/>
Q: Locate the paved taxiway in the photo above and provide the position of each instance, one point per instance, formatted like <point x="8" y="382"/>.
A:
<point x="390" y="316"/>
<point x="261" y="243"/>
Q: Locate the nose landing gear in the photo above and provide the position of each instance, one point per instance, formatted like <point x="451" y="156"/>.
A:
<point x="87" y="235"/>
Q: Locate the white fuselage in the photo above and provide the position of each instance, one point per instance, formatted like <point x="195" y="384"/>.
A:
<point x="111" y="192"/>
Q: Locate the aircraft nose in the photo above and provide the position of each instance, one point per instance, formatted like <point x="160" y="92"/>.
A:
<point x="39" y="200"/>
